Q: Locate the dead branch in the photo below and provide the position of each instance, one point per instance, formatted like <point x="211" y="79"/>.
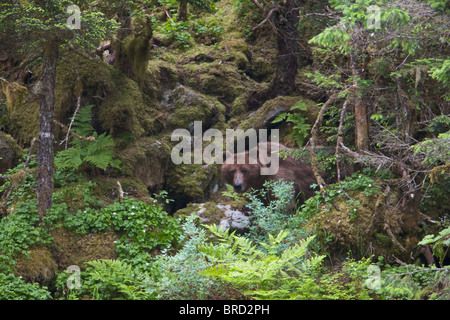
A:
<point x="267" y="18"/>
<point x="393" y="239"/>
<point x="69" y="130"/>
<point x="258" y="5"/>
<point x="91" y="138"/>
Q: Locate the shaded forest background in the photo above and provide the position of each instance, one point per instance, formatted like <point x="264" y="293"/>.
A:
<point x="86" y="117"/>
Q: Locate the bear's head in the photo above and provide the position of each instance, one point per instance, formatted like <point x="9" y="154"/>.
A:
<point x="242" y="176"/>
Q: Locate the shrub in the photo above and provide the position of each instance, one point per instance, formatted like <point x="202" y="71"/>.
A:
<point x="13" y="288"/>
<point x="180" y="276"/>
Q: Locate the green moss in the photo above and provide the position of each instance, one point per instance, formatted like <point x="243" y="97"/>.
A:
<point x="145" y="162"/>
<point x="263" y="117"/>
<point x="184" y="106"/>
<point x="261" y="69"/>
<point x="10" y="152"/>
<point x="22" y="112"/>
<point x="383" y="240"/>
<point x="120" y="105"/>
<point x="38" y="265"/>
<point x="75" y="249"/>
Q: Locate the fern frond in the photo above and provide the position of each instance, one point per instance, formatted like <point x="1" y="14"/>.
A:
<point x="81" y="124"/>
<point x="68" y="159"/>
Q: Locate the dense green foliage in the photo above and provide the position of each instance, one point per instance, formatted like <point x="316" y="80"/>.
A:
<point x="136" y="70"/>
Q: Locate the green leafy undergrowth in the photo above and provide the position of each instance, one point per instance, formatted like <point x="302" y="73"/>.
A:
<point x="179" y="275"/>
<point x="107" y="280"/>
<point x="13" y="288"/>
<point x="18" y="232"/>
<point x="354" y="184"/>
<point x="142" y="227"/>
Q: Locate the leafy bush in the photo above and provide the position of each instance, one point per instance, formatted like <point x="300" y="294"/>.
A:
<point x="107" y="280"/>
<point x="180" y="276"/>
<point x="13" y="288"/>
<point x="440" y="244"/>
<point x="176" y="31"/>
<point x="270" y="219"/>
<point x="301" y="128"/>
<point x="18" y="232"/>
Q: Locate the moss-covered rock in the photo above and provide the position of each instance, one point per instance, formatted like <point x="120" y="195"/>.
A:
<point x="71" y="248"/>
<point x="223" y="215"/>
<point x="261" y="69"/>
<point x="22" y="111"/>
<point x="192" y="182"/>
<point x="38" y="265"/>
<point x="361" y="226"/>
<point x="146" y="161"/>
<point x="184" y="106"/>
<point x="9" y="152"/>
<point x="263" y="116"/>
<point x="120" y="106"/>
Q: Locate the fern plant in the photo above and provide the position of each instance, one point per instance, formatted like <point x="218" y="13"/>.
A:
<point x="301" y="128"/>
<point x="261" y="273"/>
<point x="88" y="147"/>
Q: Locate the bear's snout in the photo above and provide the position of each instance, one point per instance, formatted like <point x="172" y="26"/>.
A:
<point x="238" y="187"/>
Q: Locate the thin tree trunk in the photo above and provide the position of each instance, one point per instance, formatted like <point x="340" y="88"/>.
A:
<point x="361" y="121"/>
<point x="285" y="20"/>
<point x="182" y="11"/>
<point x="44" y="175"/>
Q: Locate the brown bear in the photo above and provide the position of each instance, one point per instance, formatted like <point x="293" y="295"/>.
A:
<point x="246" y="176"/>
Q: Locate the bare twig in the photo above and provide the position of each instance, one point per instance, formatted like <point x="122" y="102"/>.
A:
<point x="267" y="18"/>
<point x="91" y="138"/>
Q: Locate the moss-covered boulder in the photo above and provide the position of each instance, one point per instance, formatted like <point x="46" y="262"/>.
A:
<point x="223" y="215"/>
<point x="192" y="182"/>
<point x="263" y="116"/>
<point x="184" y="106"/>
<point x="22" y="111"/>
<point x="120" y="107"/>
<point x="38" y="265"/>
<point x="71" y="248"/>
<point x="145" y="162"/>
<point x="9" y="152"/>
<point x="365" y="225"/>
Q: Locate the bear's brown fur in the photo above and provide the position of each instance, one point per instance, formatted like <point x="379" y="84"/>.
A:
<point x="244" y="177"/>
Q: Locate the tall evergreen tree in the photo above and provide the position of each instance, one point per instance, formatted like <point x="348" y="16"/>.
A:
<point x="51" y="27"/>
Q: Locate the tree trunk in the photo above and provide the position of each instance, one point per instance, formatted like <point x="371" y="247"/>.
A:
<point x="285" y="20"/>
<point x="361" y="121"/>
<point x="44" y="175"/>
<point x="182" y="11"/>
